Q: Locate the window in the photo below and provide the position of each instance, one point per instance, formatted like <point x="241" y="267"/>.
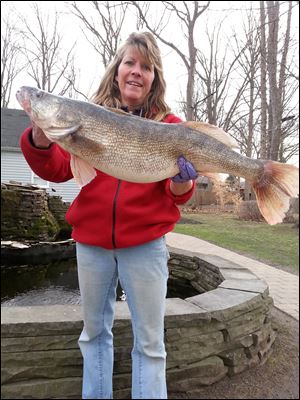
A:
<point x="202" y="186"/>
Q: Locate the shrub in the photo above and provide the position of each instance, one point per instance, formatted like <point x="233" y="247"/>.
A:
<point x="292" y="216"/>
<point x="248" y="210"/>
<point x="226" y="195"/>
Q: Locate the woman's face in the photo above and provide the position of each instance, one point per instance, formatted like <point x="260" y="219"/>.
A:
<point x="135" y="77"/>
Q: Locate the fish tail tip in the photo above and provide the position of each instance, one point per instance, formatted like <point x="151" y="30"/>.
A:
<point x="273" y="190"/>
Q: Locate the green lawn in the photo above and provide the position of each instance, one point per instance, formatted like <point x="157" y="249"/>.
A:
<point x="274" y="245"/>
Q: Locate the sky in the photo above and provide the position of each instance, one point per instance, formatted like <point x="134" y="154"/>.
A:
<point x="89" y="63"/>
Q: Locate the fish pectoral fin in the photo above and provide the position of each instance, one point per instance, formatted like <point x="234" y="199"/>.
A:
<point x="82" y="171"/>
<point x="212" y="131"/>
<point x="60" y="133"/>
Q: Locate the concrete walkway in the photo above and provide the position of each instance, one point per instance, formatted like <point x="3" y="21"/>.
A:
<point x="283" y="286"/>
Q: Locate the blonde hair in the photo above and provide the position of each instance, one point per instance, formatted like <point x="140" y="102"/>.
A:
<point x="108" y="93"/>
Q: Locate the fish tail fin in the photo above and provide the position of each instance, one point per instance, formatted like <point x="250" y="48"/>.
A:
<point x="274" y="188"/>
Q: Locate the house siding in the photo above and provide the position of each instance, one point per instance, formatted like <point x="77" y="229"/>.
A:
<point x="15" y="168"/>
<point x="67" y="190"/>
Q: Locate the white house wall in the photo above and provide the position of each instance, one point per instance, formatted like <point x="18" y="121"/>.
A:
<point x="67" y="190"/>
<point x="15" y="168"/>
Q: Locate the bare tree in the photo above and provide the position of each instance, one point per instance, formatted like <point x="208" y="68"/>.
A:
<point x="211" y="79"/>
<point x="214" y="72"/>
<point x="187" y="14"/>
<point x="243" y="110"/>
<point x="249" y="63"/>
<point x="284" y="88"/>
<point x="104" y="25"/>
<point x="11" y="64"/>
<point x="145" y="7"/>
<point x="264" y="140"/>
<point x="289" y="143"/>
<point x="279" y="119"/>
<point x="277" y="73"/>
<point x="42" y="47"/>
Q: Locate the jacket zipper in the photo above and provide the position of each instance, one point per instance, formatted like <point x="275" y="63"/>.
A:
<point x="114" y="214"/>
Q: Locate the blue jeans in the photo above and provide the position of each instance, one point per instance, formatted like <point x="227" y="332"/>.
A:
<point x="143" y="274"/>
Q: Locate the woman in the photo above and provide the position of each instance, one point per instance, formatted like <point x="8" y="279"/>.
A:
<point x="119" y="229"/>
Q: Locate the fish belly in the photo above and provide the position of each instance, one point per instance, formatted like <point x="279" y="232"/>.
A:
<point x="140" y="170"/>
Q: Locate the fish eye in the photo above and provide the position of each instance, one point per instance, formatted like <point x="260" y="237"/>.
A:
<point x="39" y="95"/>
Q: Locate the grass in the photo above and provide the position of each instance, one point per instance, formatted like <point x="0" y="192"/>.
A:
<point x="275" y="245"/>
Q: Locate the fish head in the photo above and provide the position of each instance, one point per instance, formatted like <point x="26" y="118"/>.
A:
<point x="53" y="114"/>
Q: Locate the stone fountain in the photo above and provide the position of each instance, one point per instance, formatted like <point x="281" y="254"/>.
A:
<point x="222" y="328"/>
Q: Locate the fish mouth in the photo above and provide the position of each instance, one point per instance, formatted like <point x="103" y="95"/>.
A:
<point x="58" y="133"/>
<point x="23" y="98"/>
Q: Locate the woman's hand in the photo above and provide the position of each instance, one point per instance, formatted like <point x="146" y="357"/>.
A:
<point x="39" y="139"/>
<point x="180" y="188"/>
<point x="182" y="182"/>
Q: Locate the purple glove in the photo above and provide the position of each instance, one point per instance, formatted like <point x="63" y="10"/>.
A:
<point x="187" y="171"/>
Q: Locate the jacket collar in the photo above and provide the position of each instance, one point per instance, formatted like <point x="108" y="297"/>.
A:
<point x="138" y="111"/>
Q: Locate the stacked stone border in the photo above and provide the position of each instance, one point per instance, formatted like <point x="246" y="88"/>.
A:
<point x="223" y="330"/>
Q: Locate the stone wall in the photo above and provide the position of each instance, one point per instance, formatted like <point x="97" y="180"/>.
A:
<point x="58" y="209"/>
<point x="222" y="331"/>
<point x="29" y="213"/>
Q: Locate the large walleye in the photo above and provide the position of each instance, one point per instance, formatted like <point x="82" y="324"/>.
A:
<point x="140" y="150"/>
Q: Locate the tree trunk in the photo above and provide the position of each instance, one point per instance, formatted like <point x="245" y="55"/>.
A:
<point x="275" y="103"/>
<point x="263" y="84"/>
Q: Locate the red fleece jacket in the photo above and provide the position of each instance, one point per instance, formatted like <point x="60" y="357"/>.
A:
<point x="109" y="212"/>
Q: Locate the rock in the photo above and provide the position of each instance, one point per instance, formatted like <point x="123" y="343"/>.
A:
<point x="29" y="213"/>
<point x="36" y="253"/>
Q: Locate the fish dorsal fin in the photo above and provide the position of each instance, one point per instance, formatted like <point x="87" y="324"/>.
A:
<point x="82" y="171"/>
<point x="213" y="131"/>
